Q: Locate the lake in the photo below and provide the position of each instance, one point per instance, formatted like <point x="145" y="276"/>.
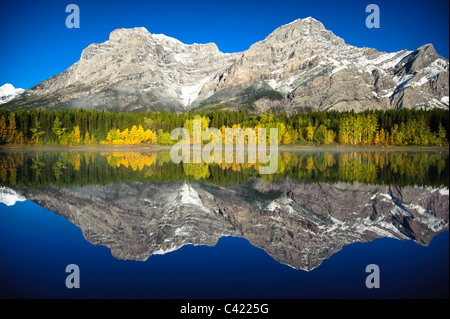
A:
<point x="137" y="225"/>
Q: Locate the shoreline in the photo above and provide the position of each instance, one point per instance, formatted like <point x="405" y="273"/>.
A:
<point x="147" y="148"/>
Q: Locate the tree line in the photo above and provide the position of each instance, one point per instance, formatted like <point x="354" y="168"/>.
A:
<point x="399" y="168"/>
<point x="79" y="126"/>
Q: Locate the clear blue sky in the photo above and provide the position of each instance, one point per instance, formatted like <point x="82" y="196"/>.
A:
<point x="35" y="43"/>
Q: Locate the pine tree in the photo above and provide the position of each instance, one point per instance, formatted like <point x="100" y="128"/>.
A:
<point x="12" y="132"/>
<point x="3" y="130"/>
<point x="441" y="135"/>
<point x="36" y="132"/>
<point x="395" y="138"/>
<point x="382" y="136"/>
<point x="57" y="128"/>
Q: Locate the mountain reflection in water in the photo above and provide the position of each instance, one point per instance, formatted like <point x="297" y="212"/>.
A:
<point x="140" y="203"/>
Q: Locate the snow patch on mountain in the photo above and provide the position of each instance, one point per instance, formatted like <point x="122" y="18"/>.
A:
<point x="10" y="197"/>
<point x="187" y="195"/>
<point x="307" y="64"/>
<point x="8" y="92"/>
<point x="443" y="191"/>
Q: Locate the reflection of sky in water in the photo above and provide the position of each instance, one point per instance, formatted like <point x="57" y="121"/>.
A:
<point x="37" y="245"/>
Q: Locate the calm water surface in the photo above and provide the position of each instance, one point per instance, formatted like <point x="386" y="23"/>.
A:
<point x="139" y="226"/>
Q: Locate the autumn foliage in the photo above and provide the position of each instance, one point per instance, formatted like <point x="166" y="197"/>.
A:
<point x="137" y="135"/>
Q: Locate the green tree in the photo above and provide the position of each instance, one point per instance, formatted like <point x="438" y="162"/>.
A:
<point x="36" y="132"/>
<point x="12" y="132"/>
<point x="441" y="135"/>
<point x="57" y="128"/>
<point x="3" y="130"/>
<point x="163" y="138"/>
<point x="321" y="135"/>
<point x="344" y="130"/>
<point x="189" y="124"/>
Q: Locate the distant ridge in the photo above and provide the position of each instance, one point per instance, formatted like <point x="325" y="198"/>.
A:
<point x="300" y="65"/>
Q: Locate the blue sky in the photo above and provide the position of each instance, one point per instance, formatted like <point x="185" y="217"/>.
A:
<point x="35" y="43"/>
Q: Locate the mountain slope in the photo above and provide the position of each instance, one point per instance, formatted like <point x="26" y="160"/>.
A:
<point x="299" y="65"/>
<point x="298" y="224"/>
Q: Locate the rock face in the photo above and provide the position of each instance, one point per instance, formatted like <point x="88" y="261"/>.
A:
<point x="299" y="65"/>
<point x="296" y="223"/>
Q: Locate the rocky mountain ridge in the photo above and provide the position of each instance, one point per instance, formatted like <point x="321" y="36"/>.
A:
<point x="298" y="66"/>
<point x="296" y="223"/>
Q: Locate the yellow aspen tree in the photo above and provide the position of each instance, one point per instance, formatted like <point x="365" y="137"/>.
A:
<point x="286" y="138"/>
<point x="309" y="132"/>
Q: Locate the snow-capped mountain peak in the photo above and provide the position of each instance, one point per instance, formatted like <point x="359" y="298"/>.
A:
<point x="300" y="65"/>
<point x="8" y="92"/>
<point x="10" y="197"/>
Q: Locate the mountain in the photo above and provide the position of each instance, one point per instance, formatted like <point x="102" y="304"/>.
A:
<point x="9" y="197"/>
<point x="8" y="92"/>
<point x="296" y="223"/>
<point x="298" y="66"/>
